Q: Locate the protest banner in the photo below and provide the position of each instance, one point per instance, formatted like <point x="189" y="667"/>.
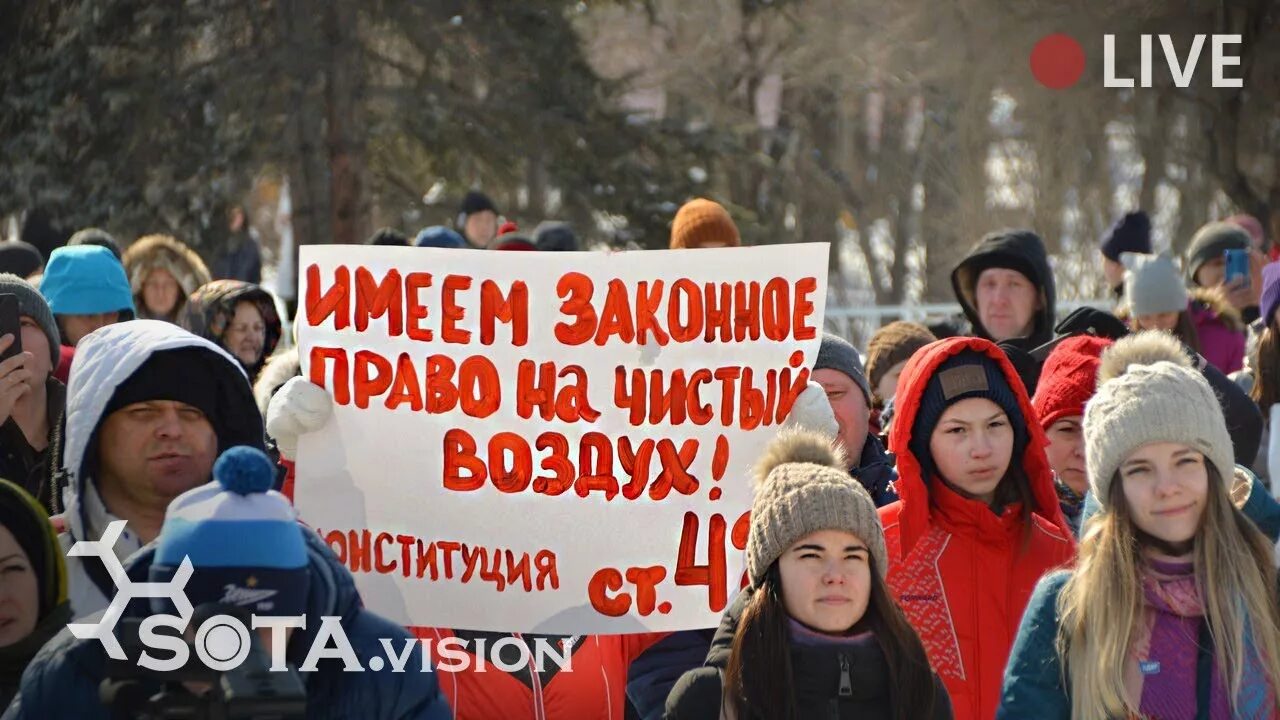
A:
<point x="549" y="442"/>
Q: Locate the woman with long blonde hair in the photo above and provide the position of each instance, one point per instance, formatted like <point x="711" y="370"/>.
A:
<point x="1171" y="610"/>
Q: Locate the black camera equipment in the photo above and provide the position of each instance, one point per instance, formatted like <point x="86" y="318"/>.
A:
<point x="250" y="690"/>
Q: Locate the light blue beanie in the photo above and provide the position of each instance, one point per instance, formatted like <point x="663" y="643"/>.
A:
<point x="85" y="280"/>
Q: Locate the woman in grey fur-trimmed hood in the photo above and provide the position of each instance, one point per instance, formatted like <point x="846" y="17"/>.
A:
<point x="162" y="272"/>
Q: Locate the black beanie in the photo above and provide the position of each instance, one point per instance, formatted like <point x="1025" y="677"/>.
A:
<point x="968" y="374"/>
<point x="169" y="375"/>
<point x="388" y="236"/>
<point x="96" y="236"/>
<point x="476" y="201"/>
<point x="20" y="258"/>
<point x="552" y="236"/>
<point x="1131" y="233"/>
<point x="202" y="379"/>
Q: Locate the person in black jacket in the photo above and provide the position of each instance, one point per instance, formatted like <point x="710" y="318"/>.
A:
<point x="240" y="257"/>
<point x="1006" y="288"/>
<point x="32" y="401"/>
<point x="817" y="635"/>
<point x="839" y="371"/>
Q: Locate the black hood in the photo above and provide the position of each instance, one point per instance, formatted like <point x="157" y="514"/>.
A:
<point x="1020" y="250"/>
<point x="211" y="308"/>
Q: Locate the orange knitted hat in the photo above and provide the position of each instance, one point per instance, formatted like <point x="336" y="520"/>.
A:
<point x="701" y="223"/>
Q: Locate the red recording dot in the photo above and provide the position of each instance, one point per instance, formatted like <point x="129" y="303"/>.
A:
<point x="664" y="608"/>
<point x="714" y="494"/>
<point x="1057" y="61"/>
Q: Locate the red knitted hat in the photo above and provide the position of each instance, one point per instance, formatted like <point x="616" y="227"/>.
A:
<point x="1068" y="379"/>
<point x="512" y="241"/>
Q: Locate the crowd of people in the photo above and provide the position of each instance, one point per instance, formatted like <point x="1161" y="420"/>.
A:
<point x="1009" y="515"/>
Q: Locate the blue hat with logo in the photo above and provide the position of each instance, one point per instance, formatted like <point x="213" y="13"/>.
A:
<point x="243" y="539"/>
<point x="85" y="280"/>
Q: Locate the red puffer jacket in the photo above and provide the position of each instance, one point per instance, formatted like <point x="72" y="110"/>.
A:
<point x="961" y="573"/>
<point x="593" y="687"/>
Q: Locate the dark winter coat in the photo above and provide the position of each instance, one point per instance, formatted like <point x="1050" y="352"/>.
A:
<point x="836" y="682"/>
<point x="876" y="472"/>
<point x="240" y="260"/>
<point x="24" y="465"/>
<point x="1244" y="419"/>
<point x="62" y="681"/>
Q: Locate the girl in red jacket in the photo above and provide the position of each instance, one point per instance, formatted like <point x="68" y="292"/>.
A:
<point x="978" y="522"/>
<point x="592" y="687"/>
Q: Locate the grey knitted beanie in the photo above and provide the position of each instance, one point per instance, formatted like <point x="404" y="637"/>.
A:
<point x="1149" y="392"/>
<point x="32" y="304"/>
<point x="836" y="353"/>
<point x="802" y="487"/>
<point x="1212" y="241"/>
<point x="1153" y="284"/>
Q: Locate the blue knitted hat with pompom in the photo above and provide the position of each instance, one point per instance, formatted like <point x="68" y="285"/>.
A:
<point x="242" y="537"/>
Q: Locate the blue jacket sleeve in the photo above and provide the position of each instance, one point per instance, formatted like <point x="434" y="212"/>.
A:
<point x="1262" y="508"/>
<point x="1034" y="684"/>
<point x="656" y="671"/>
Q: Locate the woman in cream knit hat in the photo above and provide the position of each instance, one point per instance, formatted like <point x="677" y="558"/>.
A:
<point x="1171" y="611"/>
<point x="817" y="634"/>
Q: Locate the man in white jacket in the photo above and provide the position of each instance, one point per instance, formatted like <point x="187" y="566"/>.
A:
<point x="149" y="408"/>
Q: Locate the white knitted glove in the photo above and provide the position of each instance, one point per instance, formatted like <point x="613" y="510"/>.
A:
<point x="299" y="407"/>
<point x="812" y="411"/>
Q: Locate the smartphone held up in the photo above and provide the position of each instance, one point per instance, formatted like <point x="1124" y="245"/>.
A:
<point x="10" y="324"/>
<point x="1237" y="267"/>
